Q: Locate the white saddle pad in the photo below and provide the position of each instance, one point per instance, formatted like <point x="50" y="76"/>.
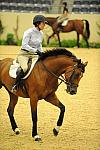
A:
<point x="14" y="67"/>
<point x="64" y="23"/>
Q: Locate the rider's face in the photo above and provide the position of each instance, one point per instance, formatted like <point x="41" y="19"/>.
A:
<point x="42" y="25"/>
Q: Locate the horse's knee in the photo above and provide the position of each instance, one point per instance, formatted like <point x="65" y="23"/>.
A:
<point x="62" y="107"/>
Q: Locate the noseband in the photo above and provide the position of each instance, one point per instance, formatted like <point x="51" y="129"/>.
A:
<point x="72" y="76"/>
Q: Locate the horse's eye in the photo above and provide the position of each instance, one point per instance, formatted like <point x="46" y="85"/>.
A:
<point x="77" y="75"/>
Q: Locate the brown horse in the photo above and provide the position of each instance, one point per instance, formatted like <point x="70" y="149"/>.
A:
<point x="80" y="26"/>
<point x="42" y="84"/>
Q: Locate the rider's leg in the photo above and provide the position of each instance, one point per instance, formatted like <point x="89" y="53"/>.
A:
<point x="23" y="61"/>
<point x="20" y="75"/>
<point x="59" y="28"/>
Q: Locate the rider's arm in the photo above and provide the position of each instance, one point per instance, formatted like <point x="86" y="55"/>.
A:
<point x="25" y="43"/>
<point x="40" y="48"/>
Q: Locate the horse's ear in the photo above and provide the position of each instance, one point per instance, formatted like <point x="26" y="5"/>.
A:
<point x="79" y="61"/>
<point x="85" y="64"/>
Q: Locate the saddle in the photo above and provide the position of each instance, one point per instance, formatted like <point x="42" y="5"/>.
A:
<point x="65" y="22"/>
<point x="61" y="25"/>
<point x="15" y="68"/>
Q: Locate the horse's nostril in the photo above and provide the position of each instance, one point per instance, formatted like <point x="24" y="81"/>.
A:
<point x="72" y="92"/>
<point x="67" y="91"/>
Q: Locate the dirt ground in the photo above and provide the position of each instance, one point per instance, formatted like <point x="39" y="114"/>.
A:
<point x="81" y="126"/>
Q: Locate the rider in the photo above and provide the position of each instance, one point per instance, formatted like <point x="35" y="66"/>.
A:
<point x="31" y="44"/>
<point x="63" y="18"/>
<point x="65" y="9"/>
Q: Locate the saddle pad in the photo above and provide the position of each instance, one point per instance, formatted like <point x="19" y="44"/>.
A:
<point x="14" y="67"/>
<point x="64" y="23"/>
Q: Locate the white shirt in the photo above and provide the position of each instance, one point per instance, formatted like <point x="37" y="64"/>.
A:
<point x="32" y="40"/>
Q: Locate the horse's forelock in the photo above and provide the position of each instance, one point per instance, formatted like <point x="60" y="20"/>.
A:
<point x="81" y="66"/>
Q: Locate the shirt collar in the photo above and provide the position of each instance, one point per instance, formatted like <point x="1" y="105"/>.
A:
<point x="35" y="29"/>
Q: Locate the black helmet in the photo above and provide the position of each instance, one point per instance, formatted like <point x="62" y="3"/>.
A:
<point x="65" y="3"/>
<point x="39" y="18"/>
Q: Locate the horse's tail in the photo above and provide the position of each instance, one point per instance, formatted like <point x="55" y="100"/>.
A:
<point x="86" y="31"/>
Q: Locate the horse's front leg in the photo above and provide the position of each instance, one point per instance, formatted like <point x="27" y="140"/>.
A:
<point x="50" y="37"/>
<point x="10" y="110"/>
<point x="33" y="104"/>
<point x="59" y="39"/>
<point x="55" y="101"/>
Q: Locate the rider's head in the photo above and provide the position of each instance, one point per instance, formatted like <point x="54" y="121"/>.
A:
<point x="65" y="3"/>
<point x="39" y="21"/>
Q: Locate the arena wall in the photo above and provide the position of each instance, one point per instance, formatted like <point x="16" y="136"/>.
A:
<point x="25" y="22"/>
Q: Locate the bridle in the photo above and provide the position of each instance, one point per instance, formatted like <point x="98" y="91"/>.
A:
<point x="62" y="79"/>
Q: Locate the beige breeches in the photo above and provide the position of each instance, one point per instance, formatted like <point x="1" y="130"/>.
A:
<point x="23" y="58"/>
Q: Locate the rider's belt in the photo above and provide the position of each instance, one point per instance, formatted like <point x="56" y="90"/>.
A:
<point x="25" y="50"/>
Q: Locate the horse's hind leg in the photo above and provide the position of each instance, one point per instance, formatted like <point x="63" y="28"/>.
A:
<point x="55" y="101"/>
<point x="78" y="40"/>
<point x="10" y="110"/>
<point x="85" y="38"/>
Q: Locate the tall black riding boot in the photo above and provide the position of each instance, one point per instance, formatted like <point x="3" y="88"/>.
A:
<point x="20" y="75"/>
<point x="59" y="28"/>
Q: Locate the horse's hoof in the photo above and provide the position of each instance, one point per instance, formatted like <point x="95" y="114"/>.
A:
<point x="37" y="138"/>
<point x="55" y="132"/>
<point x="17" y="131"/>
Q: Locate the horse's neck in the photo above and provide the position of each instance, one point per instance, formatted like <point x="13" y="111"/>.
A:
<point x="59" y="64"/>
<point x="51" y="21"/>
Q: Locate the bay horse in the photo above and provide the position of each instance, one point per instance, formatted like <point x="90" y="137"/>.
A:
<point x="42" y="83"/>
<point x="81" y="27"/>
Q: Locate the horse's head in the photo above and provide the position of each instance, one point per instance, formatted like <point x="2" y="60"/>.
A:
<point x="51" y="21"/>
<point x="73" y="77"/>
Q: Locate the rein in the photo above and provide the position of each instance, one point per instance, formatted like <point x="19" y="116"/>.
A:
<point x="52" y="73"/>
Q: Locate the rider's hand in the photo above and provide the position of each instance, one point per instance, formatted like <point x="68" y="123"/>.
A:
<point x="39" y="53"/>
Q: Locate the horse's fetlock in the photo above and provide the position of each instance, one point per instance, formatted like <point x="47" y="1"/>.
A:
<point x="37" y="138"/>
<point x="62" y="107"/>
<point x="55" y="132"/>
<point x="17" y="131"/>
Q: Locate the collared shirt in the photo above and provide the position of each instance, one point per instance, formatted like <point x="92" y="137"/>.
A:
<point x="32" y="40"/>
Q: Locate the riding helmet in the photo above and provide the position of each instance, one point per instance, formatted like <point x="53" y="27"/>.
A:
<point x="39" y="18"/>
<point x="65" y="3"/>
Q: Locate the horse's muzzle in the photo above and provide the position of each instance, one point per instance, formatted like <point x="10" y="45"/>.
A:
<point x="72" y="90"/>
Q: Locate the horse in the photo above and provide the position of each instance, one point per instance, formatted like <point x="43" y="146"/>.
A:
<point x="81" y="27"/>
<point x="42" y="83"/>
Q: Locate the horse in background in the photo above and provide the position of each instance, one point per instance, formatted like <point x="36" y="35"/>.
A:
<point x="81" y="27"/>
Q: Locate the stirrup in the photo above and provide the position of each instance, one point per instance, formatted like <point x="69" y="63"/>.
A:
<point x="59" y="29"/>
<point x="14" y="88"/>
